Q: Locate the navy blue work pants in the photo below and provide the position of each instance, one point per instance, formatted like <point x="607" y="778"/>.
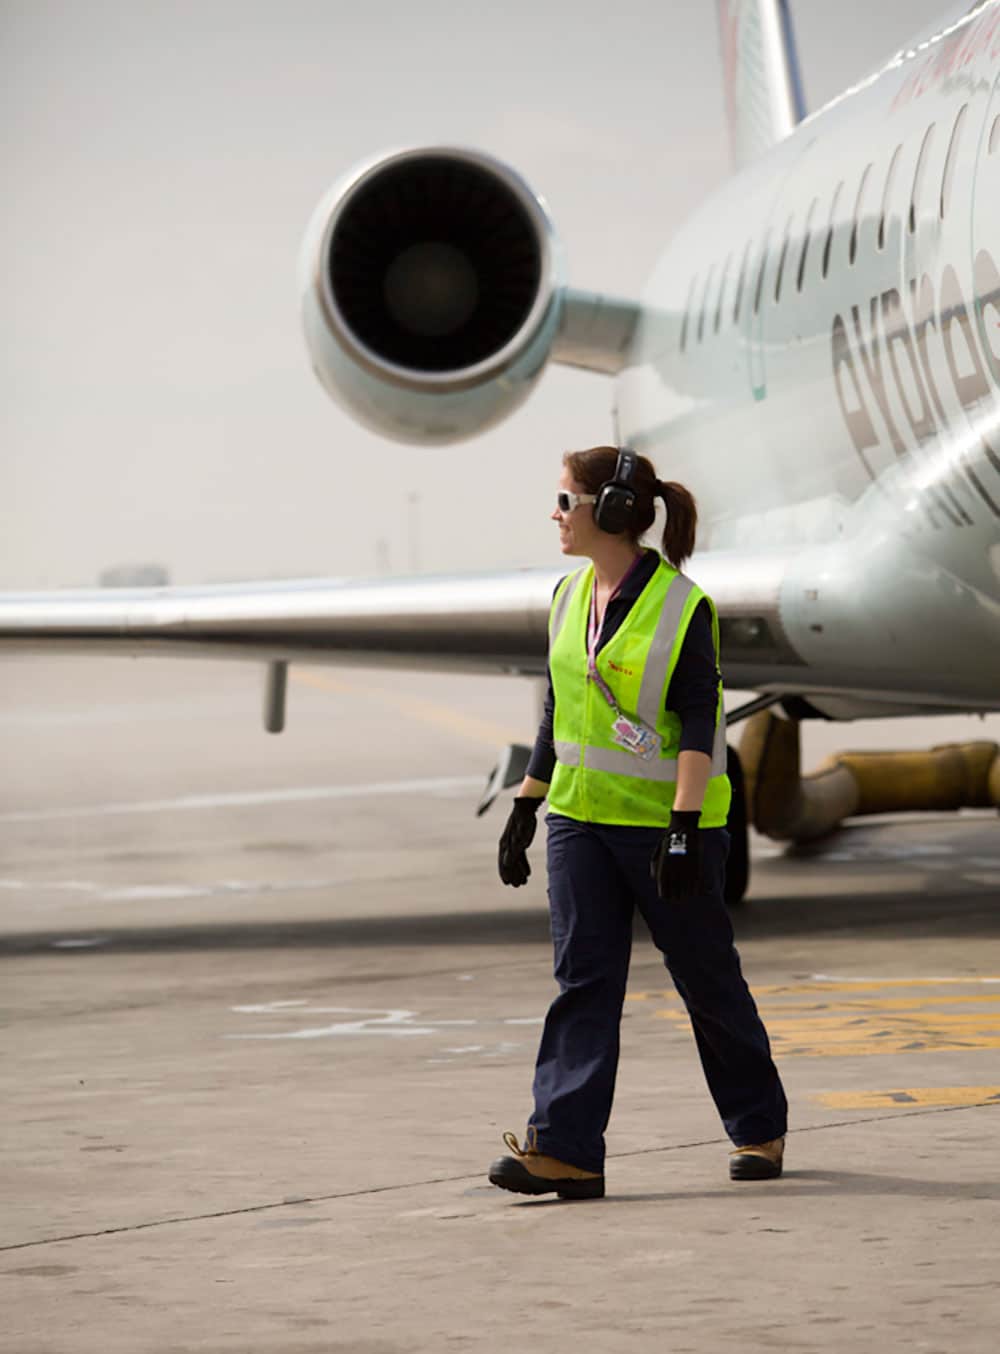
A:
<point x="598" y="875"/>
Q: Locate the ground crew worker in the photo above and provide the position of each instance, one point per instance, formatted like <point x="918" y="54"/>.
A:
<point x="631" y="753"/>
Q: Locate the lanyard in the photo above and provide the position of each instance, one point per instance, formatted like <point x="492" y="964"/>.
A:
<point x="593" y="634"/>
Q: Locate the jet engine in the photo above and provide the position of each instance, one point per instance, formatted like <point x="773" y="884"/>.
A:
<point x="432" y="285"/>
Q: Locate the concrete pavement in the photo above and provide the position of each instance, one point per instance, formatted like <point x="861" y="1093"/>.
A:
<point x="263" y="1025"/>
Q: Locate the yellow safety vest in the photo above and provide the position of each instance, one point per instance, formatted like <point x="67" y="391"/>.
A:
<point x="595" y="780"/>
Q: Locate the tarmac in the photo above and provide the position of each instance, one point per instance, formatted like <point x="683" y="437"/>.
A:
<point x="266" y="1011"/>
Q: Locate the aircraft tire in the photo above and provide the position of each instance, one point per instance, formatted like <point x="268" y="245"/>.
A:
<point x="738" y="864"/>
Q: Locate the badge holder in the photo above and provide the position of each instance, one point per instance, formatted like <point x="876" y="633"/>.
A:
<point x="634" y="737"/>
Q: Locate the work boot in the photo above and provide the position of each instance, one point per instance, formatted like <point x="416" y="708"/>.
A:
<point x="529" y="1171"/>
<point x="758" y="1161"/>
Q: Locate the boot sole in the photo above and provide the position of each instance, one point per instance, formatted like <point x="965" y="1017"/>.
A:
<point x="521" y="1181"/>
<point x="753" y="1168"/>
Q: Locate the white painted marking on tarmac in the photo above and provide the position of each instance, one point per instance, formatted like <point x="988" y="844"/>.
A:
<point x="272" y="1006"/>
<point x="159" y="892"/>
<point x="392" y="1022"/>
<point x="442" y="785"/>
<point x="79" y="943"/>
<point x="56" y="886"/>
<point x="131" y="893"/>
<point x="155" y="892"/>
<point x="500" y="1050"/>
<point x="395" y="1023"/>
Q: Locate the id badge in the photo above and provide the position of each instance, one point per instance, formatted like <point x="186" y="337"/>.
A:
<point x="634" y="737"/>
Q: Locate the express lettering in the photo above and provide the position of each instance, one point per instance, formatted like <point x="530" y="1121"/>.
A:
<point x="886" y="345"/>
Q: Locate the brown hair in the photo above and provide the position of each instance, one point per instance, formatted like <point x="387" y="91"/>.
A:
<point x="595" y="467"/>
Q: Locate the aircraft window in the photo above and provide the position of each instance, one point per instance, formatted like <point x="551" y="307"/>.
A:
<point x="704" y="302"/>
<point x="805" y="245"/>
<point x="995" y="134"/>
<point x="893" y="165"/>
<point x="722" y="291"/>
<point x="687" y="313"/>
<point x="918" y="175"/>
<point x="857" y="212"/>
<point x="950" y="159"/>
<point x="781" y="262"/>
<point x="758" y="290"/>
<point x="829" y="234"/>
<point x="739" y="285"/>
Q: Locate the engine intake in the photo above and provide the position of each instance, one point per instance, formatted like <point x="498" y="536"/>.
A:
<point x="432" y="288"/>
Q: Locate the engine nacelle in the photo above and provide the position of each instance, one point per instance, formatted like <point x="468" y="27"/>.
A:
<point x="432" y="285"/>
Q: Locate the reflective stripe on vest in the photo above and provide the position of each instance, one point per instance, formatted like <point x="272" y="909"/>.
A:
<point x="617" y="761"/>
<point x="720" y="759"/>
<point x="561" y="601"/>
<point x="654" y="676"/>
<point x="624" y="763"/>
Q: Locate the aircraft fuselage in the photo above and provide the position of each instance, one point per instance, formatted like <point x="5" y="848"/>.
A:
<point x="819" y="360"/>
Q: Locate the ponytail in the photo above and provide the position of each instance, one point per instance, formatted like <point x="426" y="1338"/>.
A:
<point x="682" y="520"/>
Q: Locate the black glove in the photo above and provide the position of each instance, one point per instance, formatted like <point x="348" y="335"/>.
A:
<point x="517" y="836"/>
<point x="676" y="862"/>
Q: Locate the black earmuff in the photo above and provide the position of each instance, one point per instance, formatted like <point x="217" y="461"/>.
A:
<point x="614" y="510"/>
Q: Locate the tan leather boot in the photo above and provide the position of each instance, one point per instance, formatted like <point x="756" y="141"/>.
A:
<point x="758" y="1161"/>
<point x="529" y="1171"/>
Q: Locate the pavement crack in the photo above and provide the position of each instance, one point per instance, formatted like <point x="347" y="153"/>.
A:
<point x="298" y="1200"/>
<point x="295" y="1202"/>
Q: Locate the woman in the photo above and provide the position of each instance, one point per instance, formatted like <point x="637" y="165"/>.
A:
<point x="631" y="754"/>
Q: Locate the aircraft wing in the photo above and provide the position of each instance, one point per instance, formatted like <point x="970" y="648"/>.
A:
<point x="493" y="622"/>
<point x="487" y="622"/>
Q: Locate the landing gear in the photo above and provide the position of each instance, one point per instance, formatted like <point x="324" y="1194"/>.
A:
<point x="738" y="864"/>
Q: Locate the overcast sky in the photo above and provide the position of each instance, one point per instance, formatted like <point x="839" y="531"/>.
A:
<point x="160" y="162"/>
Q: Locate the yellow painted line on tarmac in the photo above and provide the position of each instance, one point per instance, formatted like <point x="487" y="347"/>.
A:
<point x="832" y="1020"/>
<point x="834" y="1024"/>
<point x="790" y="1040"/>
<point x="819" y="1009"/>
<point x="321" y="681"/>
<point x="938" y="1096"/>
<point x="883" y="1003"/>
<point x="826" y="984"/>
<point x="475" y="730"/>
<point x="868" y="1047"/>
<point x="819" y="989"/>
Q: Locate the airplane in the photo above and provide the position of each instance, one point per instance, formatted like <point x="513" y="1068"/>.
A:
<point x="816" y="355"/>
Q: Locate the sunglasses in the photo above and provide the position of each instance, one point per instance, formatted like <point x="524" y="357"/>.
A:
<point x="566" y="502"/>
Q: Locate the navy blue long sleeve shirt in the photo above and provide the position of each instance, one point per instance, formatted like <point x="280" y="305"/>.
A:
<point x="693" y="691"/>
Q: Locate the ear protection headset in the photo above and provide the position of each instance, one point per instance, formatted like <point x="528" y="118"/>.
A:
<point x="616" y="499"/>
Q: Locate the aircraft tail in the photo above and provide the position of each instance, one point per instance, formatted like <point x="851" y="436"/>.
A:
<point x="764" y="99"/>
